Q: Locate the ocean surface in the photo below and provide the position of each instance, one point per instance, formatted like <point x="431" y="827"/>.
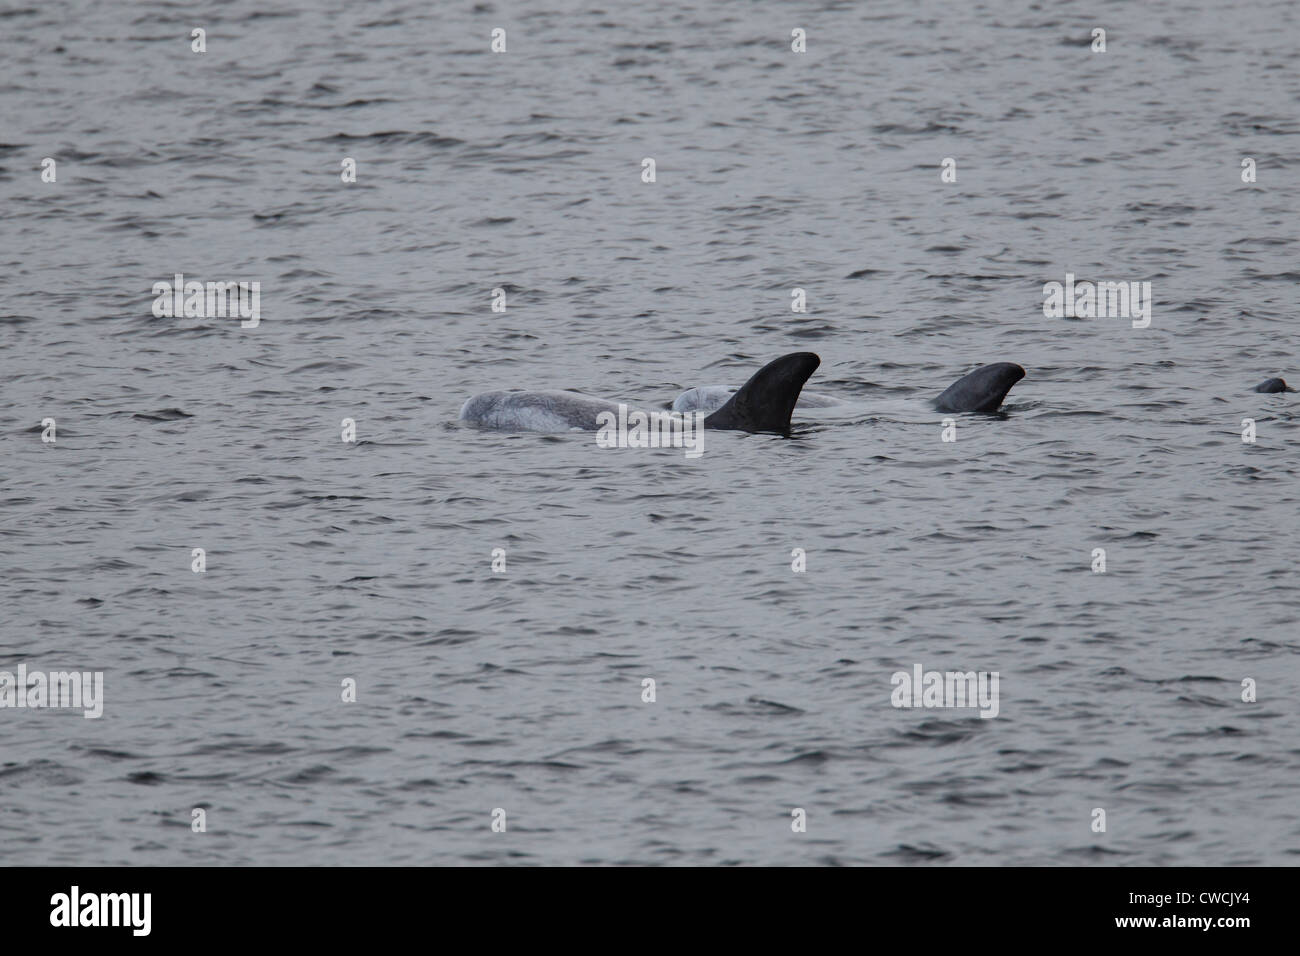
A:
<point x="371" y="561"/>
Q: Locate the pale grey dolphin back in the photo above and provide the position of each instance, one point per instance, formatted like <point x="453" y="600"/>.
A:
<point x="536" y="411"/>
<point x="708" y="398"/>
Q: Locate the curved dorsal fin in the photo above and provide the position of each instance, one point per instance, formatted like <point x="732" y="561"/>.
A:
<point x="764" y="403"/>
<point x="981" y="390"/>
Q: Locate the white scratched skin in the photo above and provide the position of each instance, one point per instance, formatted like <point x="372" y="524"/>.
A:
<point x="522" y="689"/>
<point x="709" y="398"/>
<point x="544" y="411"/>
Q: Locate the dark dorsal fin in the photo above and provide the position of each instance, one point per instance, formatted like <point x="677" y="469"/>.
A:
<point x="764" y="403"/>
<point x="981" y="390"/>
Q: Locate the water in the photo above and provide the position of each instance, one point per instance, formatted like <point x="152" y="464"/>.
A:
<point x="522" y="691"/>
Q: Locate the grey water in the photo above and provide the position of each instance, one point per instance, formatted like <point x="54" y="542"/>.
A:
<point x="522" y="691"/>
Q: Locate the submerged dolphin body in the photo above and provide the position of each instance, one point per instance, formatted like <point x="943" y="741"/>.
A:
<point x="763" y="404"/>
<point x="980" y="391"/>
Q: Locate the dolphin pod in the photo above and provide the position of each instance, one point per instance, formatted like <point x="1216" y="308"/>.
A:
<point x="763" y="404"/>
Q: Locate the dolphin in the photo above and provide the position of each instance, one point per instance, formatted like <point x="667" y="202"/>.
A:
<point x="763" y="404"/>
<point x="1273" y="385"/>
<point x="980" y="391"/>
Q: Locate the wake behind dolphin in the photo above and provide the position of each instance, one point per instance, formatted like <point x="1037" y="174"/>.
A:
<point x="763" y="404"/>
<point x="982" y="390"/>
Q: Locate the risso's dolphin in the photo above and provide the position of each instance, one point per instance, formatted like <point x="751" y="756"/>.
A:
<point x="1273" y="385"/>
<point x="980" y="391"/>
<point x="763" y="404"/>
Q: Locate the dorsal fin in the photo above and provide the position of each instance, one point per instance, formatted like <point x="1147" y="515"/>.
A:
<point x="981" y="390"/>
<point x="764" y="403"/>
